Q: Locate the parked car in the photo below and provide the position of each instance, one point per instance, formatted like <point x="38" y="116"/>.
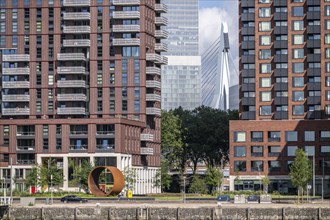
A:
<point x="73" y="198"/>
<point x="223" y="198"/>
<point x="253" y="199"/>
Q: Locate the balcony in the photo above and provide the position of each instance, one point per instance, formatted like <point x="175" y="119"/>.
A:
<point x="71" y="70"/>
<point x="25" y="148"/>
<point x="77" y="3"/>
<point x="15" y="111"/>
<point x="15" y="84"/>
<point x="147" y="151"/>
<point x="105" y="148"/>
<point x="162" y="8"/>
<point x="153" y="111"/>
<point x="76" y="29"/>
<point x="76" y="16"/>
<point x="126" y="28"/>
<point x="153" y="84"/>
<point x="16" y="71"/>
<point x="72" y="97"/>
<point x="80" y="148"/>
<point x="71" y="111"/>
<point x="126" y="2"/>
<point x="22" y="162"/>
<point x="161" y="34"/>
<point x="153" y="71"/>
<point x="77" y="43"/>
<point x="16" y="58"/>
<point x="160" y="47"/>
<point x="147" y="137"/>
<point x="153" y="97"/>
<point x="161" y="21"/>
<point x="15" y="98"/>
<point x="71" y="56"/>
<point x="71" y="83"/>
<point x="126" y="15"/>
<point x="126" y="42"/>
<point x="156" y="58"/>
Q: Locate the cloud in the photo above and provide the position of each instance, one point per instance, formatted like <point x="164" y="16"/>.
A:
<point x="210" y="19"/>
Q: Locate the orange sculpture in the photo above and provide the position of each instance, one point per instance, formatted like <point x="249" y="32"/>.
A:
<point x="93" y="181"/>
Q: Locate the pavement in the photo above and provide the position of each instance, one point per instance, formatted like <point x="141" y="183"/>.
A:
<point x="180" y="204"/>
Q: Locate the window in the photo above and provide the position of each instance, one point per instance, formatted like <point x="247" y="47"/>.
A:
<point x="298" y="81"/>
<point x="265" y="1"/>
<point x="265" y="96"/>
<point x="297" y="11"/>
<point x="327" y="11"/>
<point x="327" y="95"/>
<point x="325" y="134"/>
<point x="291" y="136"/>
<point x="274" y="166"/>
<point x="257" y="166"/>
<point x="298" y="67"/>
<point x="298" y="53"/>
<point x="310" y="150"/>
<point x="239" y="136"/>
<point x="239" y="166"/>
<point x="265" y="82"/>
<point x="298" y="110"/>
<point x="265" y="68"/>
<point x="327" y="38"/>
<point x="298" y="96"/>
<point x="240" y="151"/>
<point x="265" y="54"/>
<point x="256" y="136"/>
<point x="274" y="151"/>
<point x="325" y="149"/>
<point x="264" y="12"/>
<point x="327" y="81"/>
<point x="257" y="151"/>
<point x="298" y="39"/>
<point x="248" y="80"/>
<point x="309" y="136"/>
<point x="50" y="79"/>
<point x="327" y="24"/>
<point x="281" y="23"/>
<point x="281" y="94"/>
<point x="314" y="93"/>
<point x="265" y="110"/>
<point x="274" y="136"/>
<point x="249" y="94"/>
<point x="297" y="25"/>
<point x="291" y="151"/>
<point x="264" y="26"/>
<point x="265" y="40"/>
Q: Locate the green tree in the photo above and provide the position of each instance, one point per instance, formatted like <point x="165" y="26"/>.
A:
<point x="300" y="171"/>
<point x="265" y="182"/>
<point x="197" y="185"/>
<point x="130" y="178"/>
<point x="80" y="175"/>
<point x="171" y="139"/>
<point x="213" y="178"/>
<point x="32" y="178"/>
<point x="163" y="179"/>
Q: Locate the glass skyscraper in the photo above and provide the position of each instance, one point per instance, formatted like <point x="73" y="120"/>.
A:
<point x="181" y="77"/>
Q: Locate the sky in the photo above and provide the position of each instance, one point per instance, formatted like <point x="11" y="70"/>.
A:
<point x="211" y="14"/>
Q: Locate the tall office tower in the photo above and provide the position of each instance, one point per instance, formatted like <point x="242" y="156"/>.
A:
<point x="81" y="81"/>
<point x="284" y="93"/>
<point x="181" y="77"/>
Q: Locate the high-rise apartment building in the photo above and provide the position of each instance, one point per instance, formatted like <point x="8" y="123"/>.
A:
<point x="81" y="81"/>
<point x="284" y="93"/>
<point x="181" y="77"/>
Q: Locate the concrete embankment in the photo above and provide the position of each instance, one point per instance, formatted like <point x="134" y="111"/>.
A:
<point x="157" y="213"/>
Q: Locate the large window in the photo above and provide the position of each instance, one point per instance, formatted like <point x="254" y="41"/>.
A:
<point x="297" y="25"/>
<point x="298" y="39"/>
<point x="325" y="134"/>
<point x="265" y="96"/>
<point x="309" y="136"/>
<point x="298" y="110"/>
<point x="265" y="40"/>
<point x="264" y="12"/>
<point x="257" y="165"/>
<point x="310" y="150"/>
<point x="240" y="151"/>
<point x="257" y="151"/>
<point x="274" y="136"/>
<point x="291" y="136"/>
<point x="265" y="110"/>
<point x="265" y="82"/>
<point x="265" y="26"/>
<point x="256" y="136"/>
<point x="265" y="68"/>
<point x="298" y="96"/>
<point x="298" y="53"/>
<point x="327" y="38"/>
<point x="297" y="11"/>
<point x="239" y="136"/>
<point x="274" y="165"/>
<point x="291" y="151"/>
<point x="298" y="82"/>
<point x="274" y="151"/>
<point x="325" y="150"/>
<point x="239" y="166"/>
<point x="298" y="67"/>
<point x="265" y="54"/>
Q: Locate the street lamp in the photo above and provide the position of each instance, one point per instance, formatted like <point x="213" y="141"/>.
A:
<point x="184" y="189"/>
<point x="51" y="188"/>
